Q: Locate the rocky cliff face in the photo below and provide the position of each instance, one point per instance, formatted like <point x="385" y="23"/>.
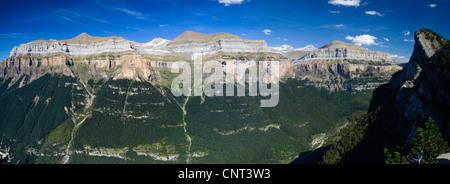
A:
<point x="334" y="66"/>
<point x="412" y="95"/>
<point x="35" y="66"/>
<point x="331" y="66"/>
<point x="83" y="44"/>
<point x="346" y="54"/>
<point x="338" y="50"/>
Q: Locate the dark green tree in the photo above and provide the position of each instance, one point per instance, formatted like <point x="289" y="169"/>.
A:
<point x="397" y="158"/>
<point x="427" y="145"/>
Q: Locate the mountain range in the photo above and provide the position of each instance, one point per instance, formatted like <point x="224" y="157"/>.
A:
<point x="108" y="100"/>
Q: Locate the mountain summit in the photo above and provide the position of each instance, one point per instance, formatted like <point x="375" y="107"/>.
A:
<point x="85" y="38"/>
<point x="340" y="44"/>
<point x="196" y="37"/>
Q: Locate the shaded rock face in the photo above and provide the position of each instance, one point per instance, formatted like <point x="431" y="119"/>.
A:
<point x="419" y="91"/>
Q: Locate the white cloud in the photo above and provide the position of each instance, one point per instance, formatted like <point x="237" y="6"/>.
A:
<point x="230" y="2"/>
<point x="134" y="13"/>
<point x="345" y="2"/>
<point x="406" y="33"/>
<point x="386" y="39"/>
<point x="136" y="28"/>
<point x="332" y="26"/>
<point x="285" y="39"/>
<point x="267" y="31"/>
<point x="137" y="14"/>
<point x="406" y="40"/>
<point x="397" y="56"/>
<point x="363" y="39"/>
<point x="334" y="11"/>
<point x="163" y="25"/>
<point x="432" y="5"/>
<point x="374" y="13"/>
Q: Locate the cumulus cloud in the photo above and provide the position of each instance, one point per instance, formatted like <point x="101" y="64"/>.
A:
<point x="267" y="31"/>
<point x="345" y="2"/>
<point x="230" y="2"/>
<point x="406" y="33"/>
<point x="374" y="13"/>
<point x="363" y="40"/>
<point x="386" y="39"/>
<point x="432" y="5"/>
<point x="406" y="40"/>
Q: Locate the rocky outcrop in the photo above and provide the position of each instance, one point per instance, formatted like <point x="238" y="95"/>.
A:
<point x="412" y="95"/>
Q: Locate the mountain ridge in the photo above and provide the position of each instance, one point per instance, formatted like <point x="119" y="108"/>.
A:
<point x="414" y="94"/>
<point x="340" y="44"/>
<point x="128" y="59"/>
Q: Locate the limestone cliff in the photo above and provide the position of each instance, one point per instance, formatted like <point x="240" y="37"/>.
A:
<point x="35" y="66"/>
<point x="412" y="95"/>
<point x="83" y="44"/>
<point x="338" y="50"/>
<point x="337" y="63"/>
<point x="331" y="66"/>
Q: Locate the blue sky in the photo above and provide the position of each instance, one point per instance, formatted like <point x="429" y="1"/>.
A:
<point x="381" y="25"/>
